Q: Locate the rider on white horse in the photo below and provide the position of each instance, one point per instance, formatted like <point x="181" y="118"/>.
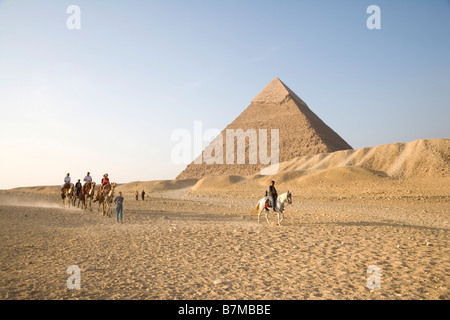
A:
<point x="273" y="195"/>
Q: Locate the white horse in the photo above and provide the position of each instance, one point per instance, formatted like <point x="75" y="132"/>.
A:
<point x="287" y="196"/>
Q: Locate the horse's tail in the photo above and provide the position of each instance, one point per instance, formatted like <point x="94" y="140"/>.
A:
<point x="256" y="208"/>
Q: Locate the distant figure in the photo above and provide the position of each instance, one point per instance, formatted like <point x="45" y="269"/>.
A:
<point x="119" y="206"/>
<point x="137" y="195"/>
<point x="143" y="195"/>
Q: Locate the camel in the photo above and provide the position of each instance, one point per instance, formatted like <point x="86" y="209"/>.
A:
<point x="76" y="197"/>
<point x="67" y="193"/>
<point x="106" y="198"/>
<point x="88" y="195"/>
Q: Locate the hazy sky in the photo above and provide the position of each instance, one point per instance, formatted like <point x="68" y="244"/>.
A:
<point x="107" y="97"/>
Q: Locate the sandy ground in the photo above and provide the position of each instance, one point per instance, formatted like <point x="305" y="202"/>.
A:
<point x="184" y="244"/>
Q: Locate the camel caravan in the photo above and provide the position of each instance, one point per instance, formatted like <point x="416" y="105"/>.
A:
<point x="76" y="195"/>
<point x="84" y="195"/>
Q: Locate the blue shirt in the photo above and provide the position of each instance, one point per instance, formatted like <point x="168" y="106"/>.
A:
<point x="119" y="201"/>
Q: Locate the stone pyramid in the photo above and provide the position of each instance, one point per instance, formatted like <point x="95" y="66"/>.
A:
<point x="300" y="133"/>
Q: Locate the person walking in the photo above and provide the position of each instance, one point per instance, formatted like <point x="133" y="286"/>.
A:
<point x="119" y="207"/>
<point x="137" y="195"/>
<point x="143" y="195"/>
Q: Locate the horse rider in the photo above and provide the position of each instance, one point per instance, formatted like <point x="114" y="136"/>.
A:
<point x="78" y="188"/>
<point x="273" y="195"/>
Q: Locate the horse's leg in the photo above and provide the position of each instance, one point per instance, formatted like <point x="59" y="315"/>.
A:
<point x="267" y="216"/>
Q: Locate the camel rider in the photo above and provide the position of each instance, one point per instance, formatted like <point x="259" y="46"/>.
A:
<point x="88" y="179"/>
<point x="78" y="188"/>
<point x="105" y="182"/>
<point x="66" y="183"/>
<point x="273" y="195"/>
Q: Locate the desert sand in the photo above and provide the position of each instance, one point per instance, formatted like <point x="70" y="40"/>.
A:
<point x="199" y="239"/>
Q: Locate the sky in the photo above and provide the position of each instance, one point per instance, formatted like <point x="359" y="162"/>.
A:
<point x="106" y="97"/>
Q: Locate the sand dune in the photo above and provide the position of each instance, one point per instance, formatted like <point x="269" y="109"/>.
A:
<point x="39" y="189"/>
<point x="217" y="182"/>
<point x="421" y="158"/>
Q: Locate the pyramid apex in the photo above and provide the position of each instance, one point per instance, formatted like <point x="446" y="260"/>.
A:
<point x="275" y="92"/>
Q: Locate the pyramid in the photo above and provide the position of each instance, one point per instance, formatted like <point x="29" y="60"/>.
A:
<point x="300" y="133"/>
